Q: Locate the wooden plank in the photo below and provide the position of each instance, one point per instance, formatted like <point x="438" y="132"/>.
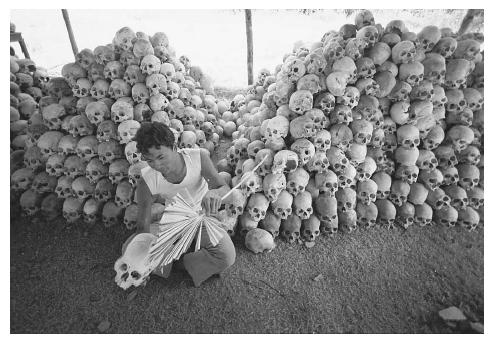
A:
<point x="70" y="32"/>
<point x="468" y="20"/>
<point x="14" y="37"/>
<point x="250" y="48"/>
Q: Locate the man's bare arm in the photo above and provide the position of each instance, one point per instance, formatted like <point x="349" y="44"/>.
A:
<point x="145" y="200"/>
<point x="210" y="174"/>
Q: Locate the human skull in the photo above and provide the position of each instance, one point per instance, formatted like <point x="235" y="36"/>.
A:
<point x="445" y="156"/>
<point x="134" y="172"/>
<point x="301" y="101"/>
<point x="367" y="107"/>
<point x="293" y="69"/>
<point x="460" y="136"/>
<point x="302" y="205"/>
<point x="467" y="49"/>
<point x="337" y="82"/>
<point x="80" y="126"/>
<point x="74" y="166"/>
<point x="446" y="46"/>
<point x="252" y="183"/>
<point x="51" y="206"/>
<point x="347" y="178"/>
<point x="106" y="131"/>
<point x="118" y="89"/>
<point x="322" y="140"/>
<point x="291" y="228"/>
<point x="48" y="143"/>
<point x="470" y="155"/>
<point x="327" y="182"/>
<point x="277" y="127"/>
<point x="446" y="216"/>
<point x="366" y="215"/>
<point x="297" y="181"/>
<point x="118" y="170"/>
<point x="63" y="187"/>
<point x="406" y="156"/>
<point x="405" y="215"/>
<point x="365" y="169"/>
<point x="433" y="138"/>
<point x="325" y="101"/>
<point x="386" y="213"/>
<point x="72" y="209"/>
<point x="403" y="52"/>
<point x="418" y="193"/>
<point x="427" y="160"/>
<point x="457" y="71"/>
<point x="273" y="184"/>
<point x="82" y="188"/>
<point x="423" y="214"/>
<point x="109" y="151"/>
<point x="469" y="176"/>
<point x="282" y="206"/>
<point x="468" y="218"/>
<point x="124" y="194"/>
<point x="432" y="179"/>
<point x="21" y="179"/>
<point x="341" y="114"/>
<point x="362" y="131"/>
<point x="337" y="159"/>
<point x="383" y="182"/>
<point x="96" y="170"/>
<point x="346" y="199"/>
<point x="366" y="191"/>
<point x="111" y="214"/>
<point x="450" y="175"/>
<point x="97" y="112"/>
<point x="121" y="111"/>
<point x="412" y="73"/>
<point x="52" y="115"/>
<point x="257" y="206"/>
<point x="475" y="197"/>
<point x="127" y="130"/>
<point x="285" y="161"/>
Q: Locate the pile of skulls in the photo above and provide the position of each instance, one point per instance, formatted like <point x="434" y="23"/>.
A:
<point x="71" y="137"/>
<point x="371" y="126"/>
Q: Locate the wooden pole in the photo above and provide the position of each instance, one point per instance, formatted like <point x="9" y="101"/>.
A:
<point x="468" y="20"/>
<point x="250" y="47"/>
<point x="70" y="32"/>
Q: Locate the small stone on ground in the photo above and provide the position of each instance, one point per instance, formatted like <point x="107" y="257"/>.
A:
<point x="452" y="314"/>
<point x="318" y="277"/>
<point x="132" y="295"/>
<point x="477" y="327"/>
<point x="104" y="326"/>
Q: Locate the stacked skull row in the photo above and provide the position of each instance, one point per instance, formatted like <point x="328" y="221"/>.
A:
<point x="71" y="135"/>
<point x="369" y="126"/>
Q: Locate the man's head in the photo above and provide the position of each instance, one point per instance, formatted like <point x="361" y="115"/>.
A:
<point x="156" y="142"/>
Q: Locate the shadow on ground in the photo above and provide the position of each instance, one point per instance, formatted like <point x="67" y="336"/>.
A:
<point x="374" y="281"/>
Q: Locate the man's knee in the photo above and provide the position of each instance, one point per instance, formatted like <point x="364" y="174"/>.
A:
<point x="227" y="250"/>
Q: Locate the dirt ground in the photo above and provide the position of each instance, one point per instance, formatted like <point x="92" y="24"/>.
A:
<point x="374" y="281"/>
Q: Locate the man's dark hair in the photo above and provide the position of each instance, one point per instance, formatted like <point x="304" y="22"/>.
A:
<point x="154" y="134"/>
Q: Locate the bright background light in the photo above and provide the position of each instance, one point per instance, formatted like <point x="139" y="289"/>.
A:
<point x="212" y="39"/>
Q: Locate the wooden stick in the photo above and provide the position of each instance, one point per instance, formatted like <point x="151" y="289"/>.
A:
<point x="250" y="47"/>
<point x="244" y="178"/>
<point x="70" y="32"/>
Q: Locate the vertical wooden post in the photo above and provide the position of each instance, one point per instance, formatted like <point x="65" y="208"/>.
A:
<point x="467" y="20"/>
<point x="250" y="48"/>
<point x="70" y="32"/>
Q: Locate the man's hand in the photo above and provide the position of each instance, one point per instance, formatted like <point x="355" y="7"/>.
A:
<point x="212" y="202"/>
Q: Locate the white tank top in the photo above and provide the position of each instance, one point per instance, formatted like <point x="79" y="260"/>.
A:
<point x="195" y="184"/>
